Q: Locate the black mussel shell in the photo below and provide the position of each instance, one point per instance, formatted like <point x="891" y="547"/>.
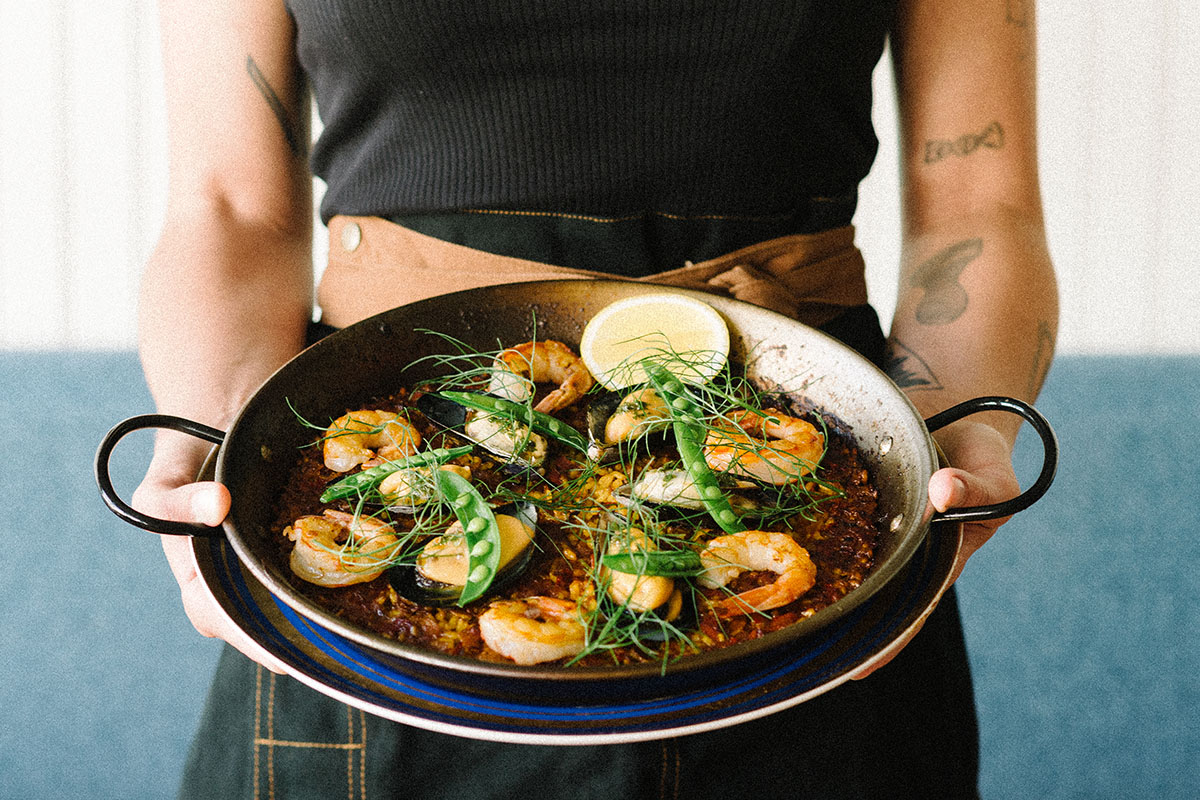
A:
<point x="600" y="407"/>
<point x="443" y="412"/>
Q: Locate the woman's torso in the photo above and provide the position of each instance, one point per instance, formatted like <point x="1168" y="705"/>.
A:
<point x="680" y="129"/>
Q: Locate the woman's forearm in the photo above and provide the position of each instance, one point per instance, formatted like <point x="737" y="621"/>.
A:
<point x="227" y="292"/>
<point x="224" y="302"/>
<point x="977" y="307"/>
<point x="977" y="313"/>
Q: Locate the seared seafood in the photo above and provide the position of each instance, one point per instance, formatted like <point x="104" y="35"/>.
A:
<point x="533" y="630"/>
<point x="442" y="566"/>
<point x="633" y="591"/>
<point x="366" y="437"/>
<point x="639" y="412"/>
<point x="340" y="549"/>
<point x="560" y="553"/>
<point x="675" y="487"/>
<point x="541" y="362"/>
<point x="414" y="486"/>
<point x="507" y="438"/>
<point x="769" y="446"/>
<point x="728" y="556"/>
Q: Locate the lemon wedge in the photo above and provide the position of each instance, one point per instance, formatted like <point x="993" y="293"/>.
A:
<point x="686" y="336"/>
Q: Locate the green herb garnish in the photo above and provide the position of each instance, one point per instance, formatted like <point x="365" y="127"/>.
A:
<point x="518" y="412"/>
<point x="664" y="563"/>
<point x="361" y="482"/>
<point x="689" y="439"/>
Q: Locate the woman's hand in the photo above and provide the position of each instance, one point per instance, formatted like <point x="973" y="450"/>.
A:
<point x="164" y="494"/>
<point x="983" y="474"/>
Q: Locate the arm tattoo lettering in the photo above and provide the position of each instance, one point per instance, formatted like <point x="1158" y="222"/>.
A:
<point x="991" y="137"/>
<point x="290" y="133"/>
<point x="1041" y="359"/>
<point x="945" y="298"/>
<point x="907" y="369"/>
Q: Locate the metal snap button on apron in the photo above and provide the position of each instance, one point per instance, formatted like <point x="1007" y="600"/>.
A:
<point x="351" y="237"/>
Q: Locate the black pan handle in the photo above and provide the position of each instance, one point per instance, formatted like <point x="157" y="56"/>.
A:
<point x="1049" y="460"/>
<point x="127" y="512"/>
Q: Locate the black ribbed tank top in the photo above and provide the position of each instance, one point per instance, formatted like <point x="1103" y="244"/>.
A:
<point x="676" y="108"/>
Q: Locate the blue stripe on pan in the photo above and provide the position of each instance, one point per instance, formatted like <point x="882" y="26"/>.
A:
<point x="485" y="713"/>
<point x="358" y="660"/>
<point x="262" y="630"/>
<point x="337" y="681"/>
<point x="449" y="699"/>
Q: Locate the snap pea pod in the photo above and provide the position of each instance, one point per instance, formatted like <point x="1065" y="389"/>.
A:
<point x="665" y="563"/>
<point x="537" y="421"/>
<point x="362" y="481"/>
<point x="689" y="439"/>
<point x="481" y="534"/>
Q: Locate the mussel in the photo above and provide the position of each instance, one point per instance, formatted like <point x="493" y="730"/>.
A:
<point x="406" y="491"/>
<point x="507" y="438"/>
<point x="627" y="416"/>
<point x="501" y="436"/>
<point x="656" y="603"/>
<point x="440" y="571"/>
<point x="664" y="622"/>
<point x="674" y="488"/>
<point x="634" y="591"/>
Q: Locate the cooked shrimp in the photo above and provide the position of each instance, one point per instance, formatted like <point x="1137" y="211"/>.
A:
<point x="338" y="549"/>
<point x="533" y="630"/>
<point x="541" y="362"/>
<point x="726" y="557"/>
<point x="769" y="446"/>
<point x="366" y="437"/>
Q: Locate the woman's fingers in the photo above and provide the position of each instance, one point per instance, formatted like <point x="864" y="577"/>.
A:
<point x="984" y="476"/>
<point x="206" y="503"/>
<point x="203" y="611"/>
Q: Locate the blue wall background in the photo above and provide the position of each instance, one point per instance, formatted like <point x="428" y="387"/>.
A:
<point x="1082" y="615"/>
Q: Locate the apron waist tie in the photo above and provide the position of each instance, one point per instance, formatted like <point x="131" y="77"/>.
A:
<point x="375" y="265"/>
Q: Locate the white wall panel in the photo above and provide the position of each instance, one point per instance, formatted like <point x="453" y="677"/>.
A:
<point x="107" y="223"/>
<point x="82" y="172"/>
<point x="1119" y="91"/>
<point x="1178" y="282"/>
<point x="33" y="175"/>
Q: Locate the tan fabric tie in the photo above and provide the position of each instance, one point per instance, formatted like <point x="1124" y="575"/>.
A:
<point x="375" y="265"/>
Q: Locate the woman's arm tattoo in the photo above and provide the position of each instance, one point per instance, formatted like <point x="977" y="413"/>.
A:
<point x="1016" y="12"/>
<point x="991" y="137"/>
<point x="1016" y="15"/>
<point x="1041" y="359"/>
<point x="907" y="369"/>
<point x="945" y="298"/>
<point x="264" y="88"/>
